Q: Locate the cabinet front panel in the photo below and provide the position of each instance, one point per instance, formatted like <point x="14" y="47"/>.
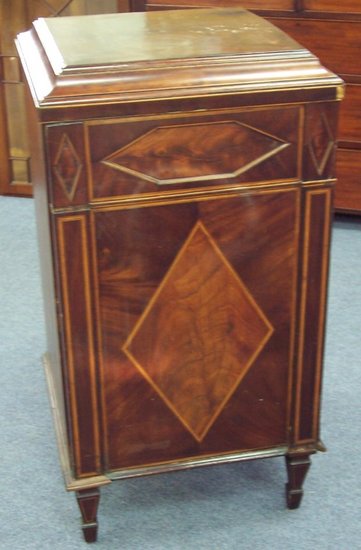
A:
<point x="336" y="43"/>
<point x="350" y="120"/>
<point x="348" y="187"/>
<point x="164" y="154"/>
<point x="196" y="305"/>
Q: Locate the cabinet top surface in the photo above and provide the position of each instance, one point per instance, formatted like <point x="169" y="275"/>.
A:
<point x="134" y="57"/>
<point x="117" y="39"/>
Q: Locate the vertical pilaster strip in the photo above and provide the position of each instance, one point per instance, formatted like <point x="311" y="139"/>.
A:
<point x="79" y="342"/>
<point x="312" y="311"/>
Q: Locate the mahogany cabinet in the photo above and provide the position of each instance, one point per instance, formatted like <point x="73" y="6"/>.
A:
<point x="183" y="188"/>
<point x="330" y="29"/>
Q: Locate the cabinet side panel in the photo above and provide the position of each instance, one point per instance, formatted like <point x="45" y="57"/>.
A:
<point x="44" y="234"/>
<point x="313" y="299"/>
<point x="79" y="343"/>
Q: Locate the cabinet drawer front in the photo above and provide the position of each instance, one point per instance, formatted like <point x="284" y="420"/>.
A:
<point x="350" y="120"/>
<point x="347" y="6"/>
<point x="156" y="155"/>
<point x="348" y="187"/>
<point x="336" y="43"/>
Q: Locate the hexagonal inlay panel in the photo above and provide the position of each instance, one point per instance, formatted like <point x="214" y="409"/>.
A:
<point x="188" y="152"/>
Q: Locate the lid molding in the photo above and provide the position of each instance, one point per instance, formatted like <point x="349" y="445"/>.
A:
<point x="225" y="58"/>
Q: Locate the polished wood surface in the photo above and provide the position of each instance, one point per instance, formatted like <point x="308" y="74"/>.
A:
<point x="349" y="162"/>
<point x="184" y="210"/>
<point x="198" y="403"/>
<point x="351" y="6"/>
<point x="329" y="29"/>
<point x="335" y="42"/>
<point x="169" y="69"/>
<point x="153" y="155"/>
<point x="320" y="141"/>
<point x="297" y="468"/>
<point x="88" y="501"/>
<point x="350" y="121"/>
<point x="154" y="38"/>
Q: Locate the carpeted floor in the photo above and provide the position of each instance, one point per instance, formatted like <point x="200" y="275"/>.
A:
<point x="238" y="506"/>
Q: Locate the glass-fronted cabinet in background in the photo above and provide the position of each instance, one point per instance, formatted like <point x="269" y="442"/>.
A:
<point x="16" y="16"/>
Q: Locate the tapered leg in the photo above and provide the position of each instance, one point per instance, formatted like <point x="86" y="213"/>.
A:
<point x="88" y="500"/>
<point x="297" y="468"/>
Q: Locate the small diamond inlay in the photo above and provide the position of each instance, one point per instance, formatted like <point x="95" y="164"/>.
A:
<point x="67" y="167"/>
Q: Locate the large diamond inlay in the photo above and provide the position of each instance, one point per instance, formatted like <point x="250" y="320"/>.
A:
<point x="182" y="153"/>
<point x="199" y="335"/>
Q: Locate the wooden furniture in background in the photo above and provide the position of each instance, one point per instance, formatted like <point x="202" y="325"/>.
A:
<point x="331" y="29"/>
<point x="183" y="188"/>
<point x="17" y="16"/>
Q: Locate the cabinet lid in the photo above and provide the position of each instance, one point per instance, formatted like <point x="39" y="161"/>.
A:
<point x="130" y="57"/>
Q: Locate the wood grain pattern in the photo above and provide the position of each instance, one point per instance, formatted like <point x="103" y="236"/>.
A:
<point x="76" y="317"/>
<point x="319" y="142"/>
<point x="312" y="314"/>
<point x="199" y="335"/>
<point x="337" y="43"/>
<point x="350" y="6"/>
<point x="190" y="314"/>
<point x="195" y="67"/>
<point x="132" y="157"/>
<point x="183" y="153"/>
<point x="67" y="158"/>
<point x="67" y="167"/>
<point x="133" y="260"/>
<point x="350" y="120"/>
<point x="331" y="30"/>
